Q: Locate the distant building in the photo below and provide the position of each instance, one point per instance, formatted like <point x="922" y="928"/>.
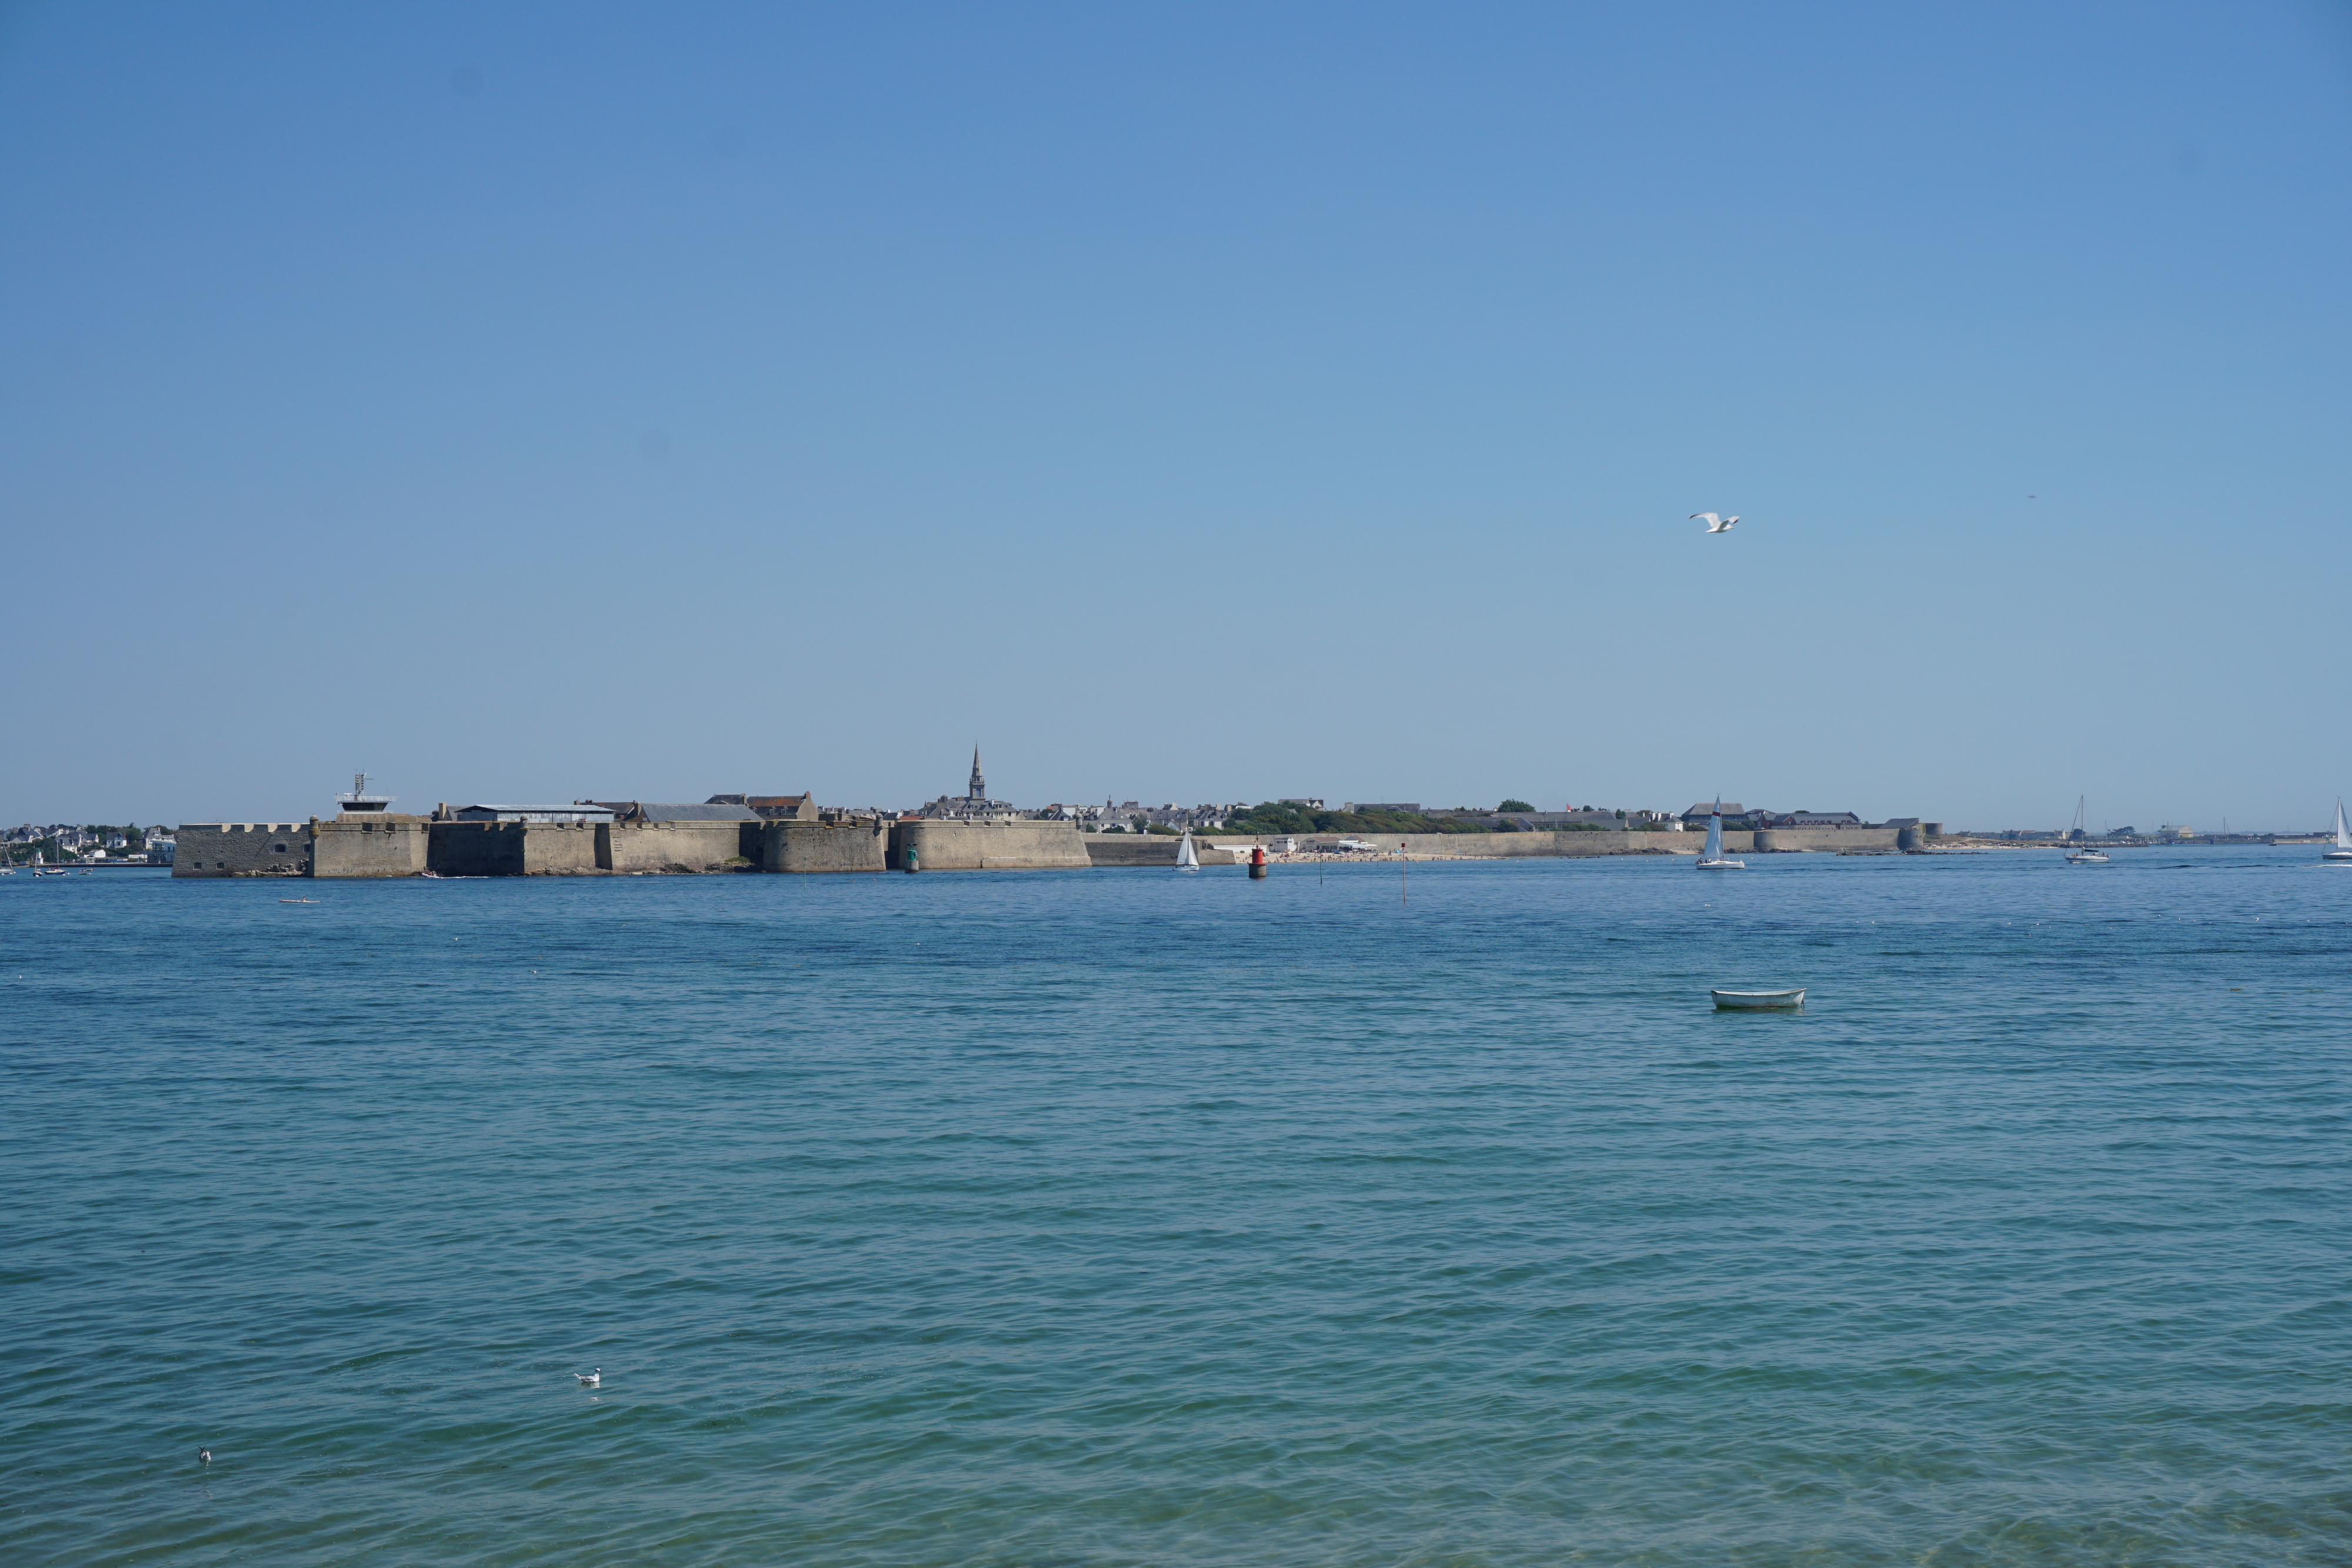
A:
<point x="578" y="812"/>
<point x="973" y="804"/>
<point x="361" y="798"/>
<point x="800" y="807"/>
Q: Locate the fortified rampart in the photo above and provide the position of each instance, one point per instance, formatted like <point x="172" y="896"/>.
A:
<point x="1015" y="843"/>
<point x="1835" y="841"/>
<point x="370" y="844"/>
<point x="799" y="846"/>
<point x="511" y="848"/>
<point x="242" y="848"/>
<point x="675" y="846"/>
<point x="1564" y="845"/>
<point x="1113" y="849"/>
<point x="584" y="849"/>
<point x="379" y="844"/>
<point x="1118" y="849"/>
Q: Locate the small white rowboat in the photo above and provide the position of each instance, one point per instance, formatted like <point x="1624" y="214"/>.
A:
<point x="1755" y="1000"/>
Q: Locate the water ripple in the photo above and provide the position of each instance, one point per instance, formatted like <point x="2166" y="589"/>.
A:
<point x="1130" y="1218"/>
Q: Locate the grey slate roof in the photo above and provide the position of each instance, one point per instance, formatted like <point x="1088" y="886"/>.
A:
<point x="575" y="811"/>
<point x="661" y="812"/>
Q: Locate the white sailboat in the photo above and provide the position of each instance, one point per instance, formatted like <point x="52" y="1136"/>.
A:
<point x="1711" y="858"/>
<point x="1186" y="857"/>
<point x="2083" y="853"/>
<point x="2343" y="850"/>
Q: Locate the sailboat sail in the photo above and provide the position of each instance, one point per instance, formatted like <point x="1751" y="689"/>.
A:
<point x="1712" y="857"/>
<point x="2343" y="839"/>
<point x="1188" y="858"/>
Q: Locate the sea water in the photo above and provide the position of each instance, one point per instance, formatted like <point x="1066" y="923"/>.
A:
<point x="1358" y="1216"/>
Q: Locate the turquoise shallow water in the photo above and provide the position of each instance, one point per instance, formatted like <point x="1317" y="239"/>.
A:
<point x="1134" y="1217"/>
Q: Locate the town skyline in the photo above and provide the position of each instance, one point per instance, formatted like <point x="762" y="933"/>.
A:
<point x="977" y="799"/>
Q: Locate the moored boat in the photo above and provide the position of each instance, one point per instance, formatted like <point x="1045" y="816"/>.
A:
<point x="2084" y="853"/>
<point x="1757" y="1001"/>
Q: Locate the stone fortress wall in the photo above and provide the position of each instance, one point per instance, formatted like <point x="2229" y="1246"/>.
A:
<point x="242" y="848"/>
<point x="491" y="849"/>
<point x="372" y="845"/>
<point x="1122" y="849"/>
<point x="368" y="844"/>
<point x="824" y="846"/>
<point x="1009" y="843"/>
<point x="584" y="849"/>
<point x="1833" y="841"/>
<point x="626" y="847"/>
<point x="1118" y="849"/>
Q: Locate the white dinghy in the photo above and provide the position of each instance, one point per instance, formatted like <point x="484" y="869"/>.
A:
<point x="2343" y="850"/>
<point x="1757" y="1001"/>
<point x="1711" y="858"/>
<point x="1186" y="857"/>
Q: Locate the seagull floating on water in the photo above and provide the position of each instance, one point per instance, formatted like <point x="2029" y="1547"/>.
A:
<point x="591" y="1379"/>
<point x="1715" y="525"/>
<point x="204" y="1456"/>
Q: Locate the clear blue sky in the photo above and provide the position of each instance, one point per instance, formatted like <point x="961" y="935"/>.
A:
<point x="1187" y="403"/>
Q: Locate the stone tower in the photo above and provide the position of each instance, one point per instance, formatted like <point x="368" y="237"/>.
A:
<point x="979" y="785"/>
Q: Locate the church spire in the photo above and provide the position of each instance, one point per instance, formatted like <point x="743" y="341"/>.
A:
<point x="979" y="785"/>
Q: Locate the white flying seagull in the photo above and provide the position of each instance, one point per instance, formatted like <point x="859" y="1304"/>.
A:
<point x="1715" y="525"/>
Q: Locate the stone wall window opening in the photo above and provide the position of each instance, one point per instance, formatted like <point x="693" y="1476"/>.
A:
<point x="277" y="848"/>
